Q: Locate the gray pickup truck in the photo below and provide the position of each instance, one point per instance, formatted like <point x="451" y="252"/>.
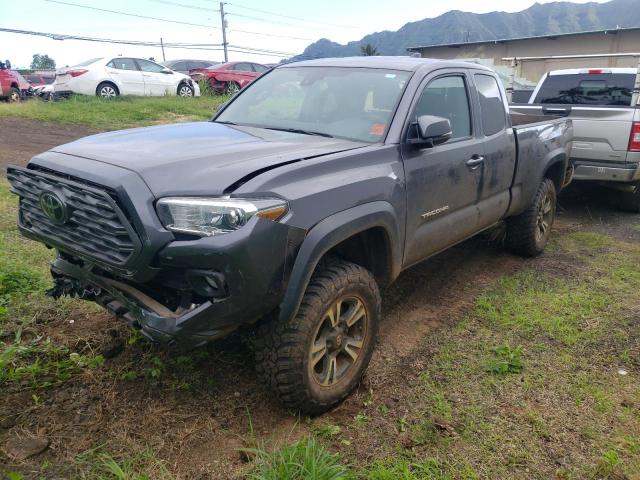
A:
<point x="316" y="184"/>
<point x="603" y="104"/>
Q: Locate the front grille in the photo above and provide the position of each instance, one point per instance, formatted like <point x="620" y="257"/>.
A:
<point x="94" y="227"/>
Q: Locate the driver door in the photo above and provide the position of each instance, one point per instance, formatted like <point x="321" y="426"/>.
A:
<point x="443" y="182"/>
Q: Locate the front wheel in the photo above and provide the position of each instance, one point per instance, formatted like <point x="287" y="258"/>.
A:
<point x="231" y="88"/>
<point x="185" y="90"/>
<point x="14" y="95"/>
<point x="528" y="233"/>
<point x="313" y="361"/>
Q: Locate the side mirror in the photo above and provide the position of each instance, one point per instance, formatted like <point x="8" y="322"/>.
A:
<point x="168" y="71"/>
<point x="7" y="64"/>
<point x="432" y="130"/>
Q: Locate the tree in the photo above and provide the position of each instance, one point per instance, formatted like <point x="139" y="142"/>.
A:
<point x="369" y="50"/>
<point x="42" y="62"/>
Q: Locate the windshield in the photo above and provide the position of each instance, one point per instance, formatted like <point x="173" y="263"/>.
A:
<point x="352" y="103"/>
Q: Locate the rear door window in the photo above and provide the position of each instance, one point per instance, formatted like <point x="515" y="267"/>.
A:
<point x="123" y="64"/>
<point x="587" y="89"/>
<point x="242" y="67"/>
<point x="492" y="106"/>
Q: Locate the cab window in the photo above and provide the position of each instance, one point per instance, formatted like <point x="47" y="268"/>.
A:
<point x="492" y="107"/>
<point x="447" y="97"/>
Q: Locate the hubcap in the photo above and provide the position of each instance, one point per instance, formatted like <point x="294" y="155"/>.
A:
<point x="544" y="218"/>
<point x="338" y="341"/>
<point x="185" y="91"/>
<point x="14" y="97"/>
<point x="107" y="92"/>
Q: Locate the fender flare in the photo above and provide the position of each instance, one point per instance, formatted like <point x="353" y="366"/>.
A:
<point x="330" y="232"/>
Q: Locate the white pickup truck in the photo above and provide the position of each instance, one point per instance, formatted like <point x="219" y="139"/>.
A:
<point x="603" y="104"/>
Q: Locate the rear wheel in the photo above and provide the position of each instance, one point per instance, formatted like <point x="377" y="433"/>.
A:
<point x="313" y="361"/>
<point x="14" y="95"/>
<point x="231" y="88"/>
<point x="185" y="90"/>
<point x="107" y="90"/>
<point x="630" y="201"/>
<point x="528" y="233"/>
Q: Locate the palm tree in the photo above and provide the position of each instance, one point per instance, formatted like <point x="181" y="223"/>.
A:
<point x="369" y="50"/>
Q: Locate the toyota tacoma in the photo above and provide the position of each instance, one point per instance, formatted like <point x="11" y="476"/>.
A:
<point x="306" y="192"/>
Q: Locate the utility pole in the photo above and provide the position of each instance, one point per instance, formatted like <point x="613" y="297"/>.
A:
<point x="162" y="46"/>
<point x="223" y="22"/>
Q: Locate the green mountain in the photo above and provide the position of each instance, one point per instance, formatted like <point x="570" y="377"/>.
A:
<point x="456" y="26"/>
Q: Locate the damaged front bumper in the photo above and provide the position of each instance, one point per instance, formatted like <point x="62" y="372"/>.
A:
<point x="251" y="272"/>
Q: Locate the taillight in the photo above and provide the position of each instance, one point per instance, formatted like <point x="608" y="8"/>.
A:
<point x="634" y="140"/>
<point x="77" y="73"/>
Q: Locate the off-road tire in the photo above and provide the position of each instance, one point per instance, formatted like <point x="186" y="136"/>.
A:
<point x="283" y="348"/>
<point x="14" y="95"/>
<point x="523" y="235"/>
<point x="630" y="201"/>
<point x="107" y="85"/>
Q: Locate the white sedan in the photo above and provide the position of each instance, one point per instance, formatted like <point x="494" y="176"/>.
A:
<point x="110" y="77"/>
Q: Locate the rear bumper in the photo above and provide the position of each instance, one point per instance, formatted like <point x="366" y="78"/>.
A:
<point x="606" y="172"/>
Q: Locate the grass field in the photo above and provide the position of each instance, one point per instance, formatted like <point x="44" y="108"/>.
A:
<point x="122" y="112"/>
<point x="539" y="379"/>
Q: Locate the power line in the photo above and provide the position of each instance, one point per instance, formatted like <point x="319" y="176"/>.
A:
<point x="265" y="20"/>
<point x="275" y="35"/>
<point x="267" y="12"/>
<point x="117" y="12"/>
<point x="184" y="5"/>
<point x="142" y="43"/>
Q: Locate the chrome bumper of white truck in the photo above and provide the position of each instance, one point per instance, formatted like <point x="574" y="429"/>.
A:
<point x="607" y="174"/>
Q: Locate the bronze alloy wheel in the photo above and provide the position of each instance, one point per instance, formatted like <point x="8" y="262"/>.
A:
<point x="544" y="218"/>
<point x="338" y="341"/>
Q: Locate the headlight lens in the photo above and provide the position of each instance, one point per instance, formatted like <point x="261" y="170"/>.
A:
<point x="215" y="216"/>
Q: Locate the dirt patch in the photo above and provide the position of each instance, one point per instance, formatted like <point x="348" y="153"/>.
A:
<point x="21" y="139"/>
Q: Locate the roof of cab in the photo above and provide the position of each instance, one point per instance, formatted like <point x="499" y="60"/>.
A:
<point x="410" y="64"/>
<point x="579" y="71"/>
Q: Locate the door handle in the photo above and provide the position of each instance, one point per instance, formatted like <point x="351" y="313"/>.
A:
<point x="475" y="161"/>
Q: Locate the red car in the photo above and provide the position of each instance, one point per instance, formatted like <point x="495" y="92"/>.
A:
<point x="228" y="77"/>
<point x="11" y="84"/>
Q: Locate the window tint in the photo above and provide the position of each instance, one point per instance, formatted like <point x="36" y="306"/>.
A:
<point x="587" y="89"/>
<point x="180" y="66"/>
<point x="447" y="97"/>
<point x="491" y="104"/>
<point x="242" y="67"/>
<point x="123" y="64"/>
<point x="260" y="68"/>
<point x="148" y="66"/>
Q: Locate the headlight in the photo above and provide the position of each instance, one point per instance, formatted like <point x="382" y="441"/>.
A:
<point x="214" y="216"/>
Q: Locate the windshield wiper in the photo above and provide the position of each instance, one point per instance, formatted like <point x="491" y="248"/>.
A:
<point x="301" y="131"/>
<point x="225" y="122"/>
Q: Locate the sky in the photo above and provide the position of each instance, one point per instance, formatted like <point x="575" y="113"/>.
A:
<point x="288" y="27"/>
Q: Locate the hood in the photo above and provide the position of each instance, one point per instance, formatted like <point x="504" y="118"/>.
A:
<point x="201" y="158"/>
